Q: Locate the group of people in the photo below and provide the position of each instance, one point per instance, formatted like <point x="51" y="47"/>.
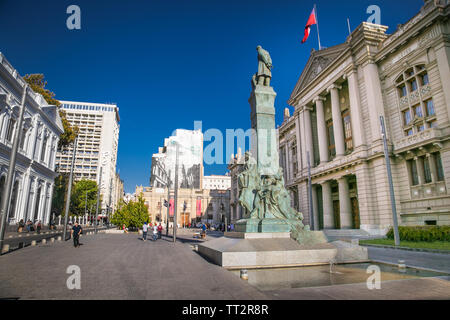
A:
<point x="29" y="226"/>
<point x="154" y="228"/>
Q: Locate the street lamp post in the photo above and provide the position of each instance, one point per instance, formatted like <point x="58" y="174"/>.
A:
<point x="69" y="189"/>
<point x="391" y="184"/>
<point x="98" y="199"/>
<point x="6" y="194"/>
<point x="175" y="220"/>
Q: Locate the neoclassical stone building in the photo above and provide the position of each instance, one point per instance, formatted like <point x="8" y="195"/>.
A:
<point x="35" y="169"/>
<point x="338" y="101"/>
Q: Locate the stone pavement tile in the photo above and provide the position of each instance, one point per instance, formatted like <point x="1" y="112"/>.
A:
<point x="412" y="289"/>
<point x="118" y="267"/>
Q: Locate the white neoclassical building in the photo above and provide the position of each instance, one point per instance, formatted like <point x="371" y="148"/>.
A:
<point x="338" y="101"/>
<point x="35" y="169"/>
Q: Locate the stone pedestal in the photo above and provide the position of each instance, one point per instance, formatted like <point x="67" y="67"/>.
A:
<point x="264" y="139"/>
<point x="274" y="250"/>
<point x="265" y="226"/>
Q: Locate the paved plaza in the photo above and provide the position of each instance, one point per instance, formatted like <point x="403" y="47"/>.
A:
<point x="121" y="266"/>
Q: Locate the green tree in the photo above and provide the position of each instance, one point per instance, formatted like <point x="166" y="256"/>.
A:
<point x="132" y="214"/>
<point x="83" y="190"/>
<point x="59" y="194"/>
<point x="38" y="83"/>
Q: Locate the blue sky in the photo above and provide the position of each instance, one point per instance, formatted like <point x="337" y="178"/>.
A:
<point x="167" y="63"/>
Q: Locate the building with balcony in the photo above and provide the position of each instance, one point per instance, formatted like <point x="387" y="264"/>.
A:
<point x="335" y="129"/>
<point x="33" y="184"/>
<point x="98" y="142"/>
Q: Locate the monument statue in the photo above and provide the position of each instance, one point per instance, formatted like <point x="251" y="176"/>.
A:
<point x="262" y="190"/>
<point x="264" y="67"/>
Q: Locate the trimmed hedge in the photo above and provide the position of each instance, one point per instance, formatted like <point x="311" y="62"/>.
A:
<point x="422" y="233"/>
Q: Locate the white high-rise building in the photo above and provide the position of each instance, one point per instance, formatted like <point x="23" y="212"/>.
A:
<point x="98" y="141"/>
<point x="216" y="182"/>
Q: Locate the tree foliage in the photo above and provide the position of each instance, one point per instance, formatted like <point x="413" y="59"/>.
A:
<point x="37" y="84"/>
<point x="132" y="214"/>
<point x="59" y="194"/>
<point x="80" y="190"/>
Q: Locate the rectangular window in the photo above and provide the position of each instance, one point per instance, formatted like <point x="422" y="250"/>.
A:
<point x="425" y="79"/>
<point x="406" y="117"/>
<point x="439" y="168"/>
<point x="330" y="135"/>
<point x="420" y="128"/>
<point x="403" y="91"/>
<point x="427" y="170"/>
<point x="409" y="132"/>
<point x="414" y="175"/>
<point x="348" y="131"/>
<point x="430" y="108"/>
<point x="413" y="85"/>
<point x="418" y="111"/>
<point x="433" y="124"/>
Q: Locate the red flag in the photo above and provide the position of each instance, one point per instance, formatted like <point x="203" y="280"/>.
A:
<point x="311" y="21"/>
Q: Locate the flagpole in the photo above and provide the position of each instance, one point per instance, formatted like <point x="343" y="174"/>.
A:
<point x="317" y="24"/>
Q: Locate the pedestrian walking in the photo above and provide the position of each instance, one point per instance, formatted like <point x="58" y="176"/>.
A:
<point x="21" y="225"/>
<point x="144" y="231"/>
<point x="155" y="232"/>
<point x="76" y="231"/>
<point x="38" y="226"/>
<point x="160" y="230"/>
<point x="28" y="225"/>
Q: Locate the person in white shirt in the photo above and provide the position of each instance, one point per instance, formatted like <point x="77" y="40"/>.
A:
<point x="155" y="232"/>
<point x="144" y="231"/>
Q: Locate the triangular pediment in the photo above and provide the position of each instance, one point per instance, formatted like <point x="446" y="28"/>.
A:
<point x="317" y="63"/>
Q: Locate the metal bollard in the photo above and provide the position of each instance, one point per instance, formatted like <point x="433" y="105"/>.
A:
<point x="401" y="266"/>
<point x="59" y="238"/>
<point x="244" y="274"/>
<point x="52" y="240"/>
<point x="43" y="241"/>
<point x="5" y="248"/>
<point x="33" y="243"/>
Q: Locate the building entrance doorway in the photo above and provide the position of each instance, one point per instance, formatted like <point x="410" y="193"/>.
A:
<point x="355" y="213"/>
<point x="185" y="219"/>
<point x="337" y="215"/>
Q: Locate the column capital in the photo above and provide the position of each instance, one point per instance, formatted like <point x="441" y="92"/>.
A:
<point x="334" y="86"/>
<point x="319" y="98"/>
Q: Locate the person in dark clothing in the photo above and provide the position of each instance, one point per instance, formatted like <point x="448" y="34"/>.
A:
<point x="76" y="231"/>
<point x="38" y="227"/>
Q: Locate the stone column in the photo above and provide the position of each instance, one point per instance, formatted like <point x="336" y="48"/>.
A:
<point x="299" y="142"/>
<point x="433" y="168"/>
<point x="344" y="204"/>
<point x="302" y="139"/>
<point x="355" y="110"/>
<point x="420" y="170"/>
<point x="308" y="135"/>
<point x="315" y="208"/>
<point x="442" y="51"/>
<point x="322" y="130"/>
<point x="328" y="215"/>
<point x="374" y="98"/>
<point x="338" y="127"/>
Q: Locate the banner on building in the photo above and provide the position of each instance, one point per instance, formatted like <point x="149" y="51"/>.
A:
<point x="171" y="206"/>
<point x="199" y="207"/>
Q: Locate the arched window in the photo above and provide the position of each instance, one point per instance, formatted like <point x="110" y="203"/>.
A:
<point x="10" y="129"/>
<point x="2" y="185"/>
<point x="44" y="147"/>
<point x="12" y="206"/>
<point x="38" y="200"/>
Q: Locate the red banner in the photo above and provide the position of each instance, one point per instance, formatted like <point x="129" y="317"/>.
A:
<point x="199" y="207"/>
<point x="171" y="206"/>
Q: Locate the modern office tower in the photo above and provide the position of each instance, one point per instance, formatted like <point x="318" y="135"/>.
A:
<point x="97" y="147"/>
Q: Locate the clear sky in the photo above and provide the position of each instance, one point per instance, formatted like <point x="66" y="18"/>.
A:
<point x="167" y="63"/>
